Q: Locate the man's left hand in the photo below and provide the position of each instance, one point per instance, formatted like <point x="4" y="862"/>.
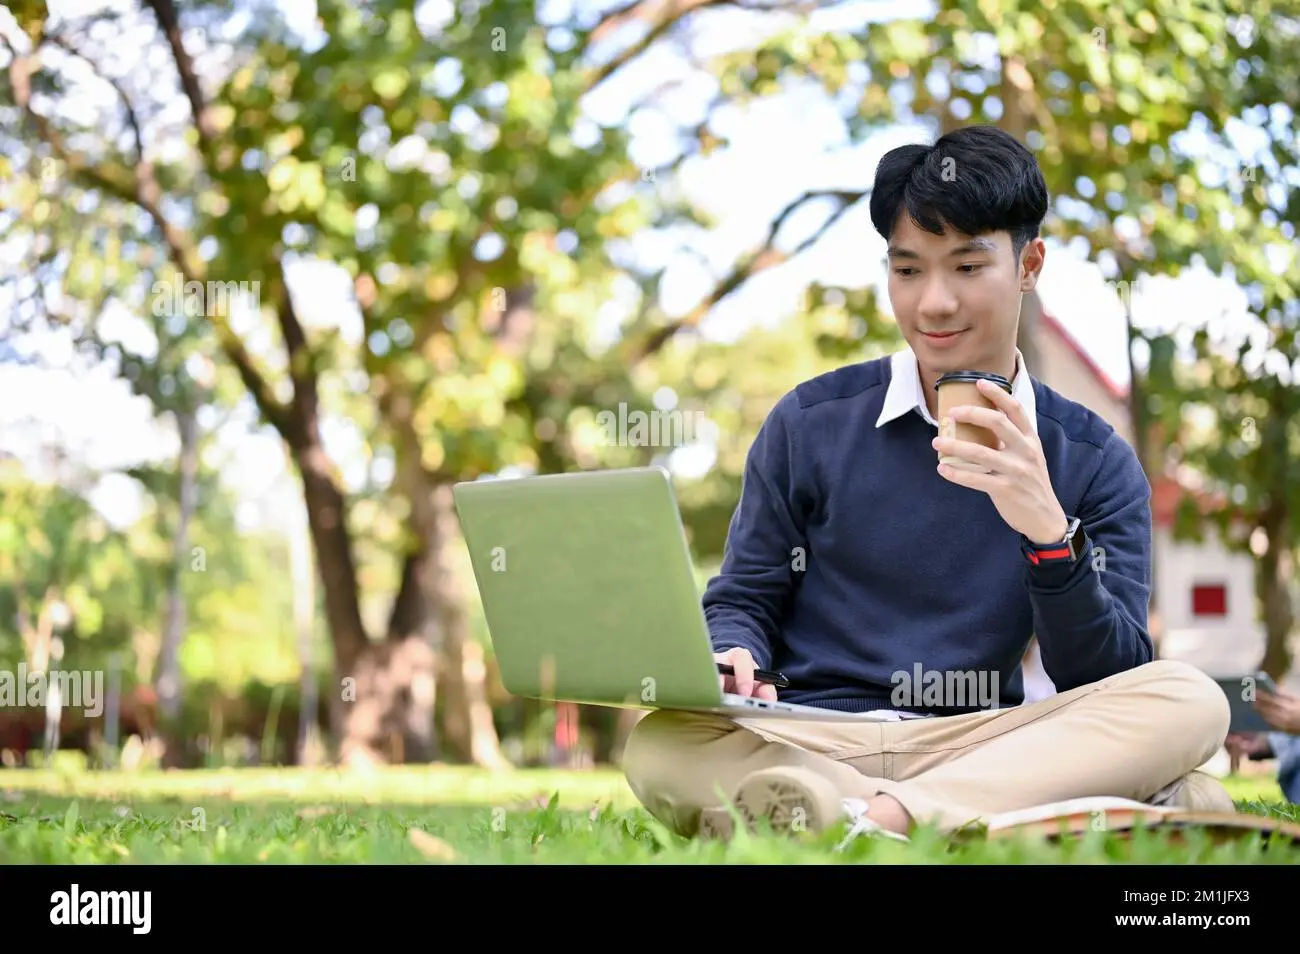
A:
<point x="1281" y="710"/>
<point x="1017" y="483"/>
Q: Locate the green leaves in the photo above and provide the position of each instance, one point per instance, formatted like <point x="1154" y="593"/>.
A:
<point x="391" y="83"/>
<point x="297" y="184"/>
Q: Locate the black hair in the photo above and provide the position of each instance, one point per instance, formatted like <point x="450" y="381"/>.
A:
<point x="977" y="179"/>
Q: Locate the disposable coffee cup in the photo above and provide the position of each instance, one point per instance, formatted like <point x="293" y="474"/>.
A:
<point x="955" y="389"/>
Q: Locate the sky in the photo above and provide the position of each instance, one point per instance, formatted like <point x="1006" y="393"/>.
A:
<point x="779" y="149"/>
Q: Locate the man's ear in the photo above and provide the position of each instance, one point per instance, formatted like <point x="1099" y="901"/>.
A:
<point x="1031" y="264"/>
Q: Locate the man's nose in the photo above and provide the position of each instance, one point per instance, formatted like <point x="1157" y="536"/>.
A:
<point x="937" y="301"/>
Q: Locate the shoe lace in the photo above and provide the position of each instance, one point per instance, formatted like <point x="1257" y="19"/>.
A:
<point x="863" y="825"/>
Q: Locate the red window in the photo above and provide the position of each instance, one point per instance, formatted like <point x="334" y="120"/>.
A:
<point x="1210" y="599"/>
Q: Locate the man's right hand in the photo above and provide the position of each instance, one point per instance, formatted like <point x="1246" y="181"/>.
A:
<point x="742" y="683"/>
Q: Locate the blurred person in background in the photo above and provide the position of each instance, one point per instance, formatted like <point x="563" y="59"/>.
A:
<point x="1281" y="710"/>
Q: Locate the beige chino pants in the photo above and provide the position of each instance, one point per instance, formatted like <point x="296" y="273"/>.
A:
<point x="1140" y="734"/>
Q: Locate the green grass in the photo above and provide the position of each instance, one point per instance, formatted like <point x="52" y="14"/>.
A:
<point x="439" y="814"/>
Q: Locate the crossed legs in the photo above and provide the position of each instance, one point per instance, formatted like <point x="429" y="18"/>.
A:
<point x="1139" y="734"/>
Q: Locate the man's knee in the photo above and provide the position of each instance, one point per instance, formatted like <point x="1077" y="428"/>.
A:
<point x="652" y="745"/>
<point x="1193" y="706"/>
<point x="660" y="749"/>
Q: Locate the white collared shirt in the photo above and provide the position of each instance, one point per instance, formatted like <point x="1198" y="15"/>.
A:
<point x="905" y="394"/>
<point x="905" y="391"/>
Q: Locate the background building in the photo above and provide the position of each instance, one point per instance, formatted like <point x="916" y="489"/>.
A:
<point x="1203" y="598"/>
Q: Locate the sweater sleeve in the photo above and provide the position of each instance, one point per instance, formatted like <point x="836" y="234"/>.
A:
<point x="1091" y="619"/>
<point x="766" y="547"/>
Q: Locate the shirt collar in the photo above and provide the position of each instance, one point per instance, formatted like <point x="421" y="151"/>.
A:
<point x="905" y="392"/>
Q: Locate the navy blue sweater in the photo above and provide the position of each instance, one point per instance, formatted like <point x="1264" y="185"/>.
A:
<point x="850" y="559"/>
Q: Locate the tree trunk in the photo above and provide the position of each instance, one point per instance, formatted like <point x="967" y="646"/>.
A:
<point x="169" y="670"/>
<point x="37" y="637"/>
<point x="1137" y="403"/>
<point x="410" y="632"/>
<point x="1143" y="446"/>
<point x="1016" y="90"/>
<point x="353" y="725"/>
<point x="108" y="753"/>
<point x="1273" y="581"/>
<point x="1031" y="308"/>
<point x="468" y="726"/>
<point x="468" y="729"/>
<point x="389" y="719"/>
<point x="304" y="615"/>
<point x="381" y="708"/>
<point x="1275" y="570"/>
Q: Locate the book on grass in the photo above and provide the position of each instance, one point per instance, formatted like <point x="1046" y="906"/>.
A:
<point x="1078" y="816"/>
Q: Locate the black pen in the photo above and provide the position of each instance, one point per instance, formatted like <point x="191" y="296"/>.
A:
<point x="760" y="675"/>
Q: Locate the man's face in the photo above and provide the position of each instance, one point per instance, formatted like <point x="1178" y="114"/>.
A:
<point x="957" y="297"/>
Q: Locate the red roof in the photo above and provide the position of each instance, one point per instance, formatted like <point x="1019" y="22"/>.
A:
<point x="1116" y="390"/>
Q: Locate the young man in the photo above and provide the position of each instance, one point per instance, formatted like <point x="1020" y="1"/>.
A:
<point x="871" y="576"/>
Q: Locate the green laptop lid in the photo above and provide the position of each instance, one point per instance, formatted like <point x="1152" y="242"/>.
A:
<point x="588" y="589"/>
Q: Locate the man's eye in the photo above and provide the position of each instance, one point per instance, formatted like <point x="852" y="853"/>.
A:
<point x="904" y="271"/>
<point x="969" y="269"/>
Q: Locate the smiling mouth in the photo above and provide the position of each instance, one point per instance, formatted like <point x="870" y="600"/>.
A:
<point x="942" y="334"/>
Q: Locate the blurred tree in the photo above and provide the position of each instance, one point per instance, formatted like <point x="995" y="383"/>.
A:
<point x="296" y="153"/>
<point x="60" y="558"/>
<point x="79" y="593"/>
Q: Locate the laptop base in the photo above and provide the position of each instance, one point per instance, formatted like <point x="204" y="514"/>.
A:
<point x="749" y="707"/>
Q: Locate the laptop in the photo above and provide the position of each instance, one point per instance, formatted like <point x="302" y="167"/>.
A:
<point x="590" y="596"/>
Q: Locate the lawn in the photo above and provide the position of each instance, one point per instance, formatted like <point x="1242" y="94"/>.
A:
<point x="440" y="814"/>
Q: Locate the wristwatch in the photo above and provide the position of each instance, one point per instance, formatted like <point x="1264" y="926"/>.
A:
<point x="1068" y="550"/>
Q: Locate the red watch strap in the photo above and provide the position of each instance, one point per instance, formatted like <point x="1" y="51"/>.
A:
<point x="1056" y="553"/>
<point x="1060" y="552"/>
